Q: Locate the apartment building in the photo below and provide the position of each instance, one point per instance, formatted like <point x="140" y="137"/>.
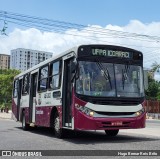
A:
<point x="4" y="61"/>
<point x="23" y="59"/>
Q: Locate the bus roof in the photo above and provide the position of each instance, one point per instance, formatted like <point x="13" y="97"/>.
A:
<point x="74" y="49"/>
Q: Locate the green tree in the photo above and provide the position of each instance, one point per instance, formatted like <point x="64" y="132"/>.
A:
<point x="153" y="88"/>
<point x="6" y="85"/>
<point x="153" y="91"/>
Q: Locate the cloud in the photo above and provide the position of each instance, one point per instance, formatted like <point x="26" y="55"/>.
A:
<point x="54" y="42"/>
<point x="157" y="76"/>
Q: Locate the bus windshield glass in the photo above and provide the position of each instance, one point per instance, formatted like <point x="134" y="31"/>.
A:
<point x="109" y="80"/>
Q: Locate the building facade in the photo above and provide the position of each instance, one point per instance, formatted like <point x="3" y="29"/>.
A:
<point x="4" y="61"/>
<point x="23" y="59"/>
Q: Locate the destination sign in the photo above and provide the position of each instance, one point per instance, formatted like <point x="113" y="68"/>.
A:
<point x="111" y="53"/>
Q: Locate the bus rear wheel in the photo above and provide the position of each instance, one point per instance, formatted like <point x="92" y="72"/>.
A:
<point x="59" y="133"/>
<point x="111" y="132"/>
<point x="25" y="126"/>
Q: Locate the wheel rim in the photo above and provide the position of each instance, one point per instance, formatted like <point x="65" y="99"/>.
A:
<point x="56" y="124"/>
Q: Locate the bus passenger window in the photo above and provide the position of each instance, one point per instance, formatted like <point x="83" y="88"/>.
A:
<point x="43" y="84"/>
<point x="25" y="87"/>
<point x="15" y="89"/>
<point x="55" y="81"/>
<point x="43" y="79"/>
<point x="55" y="75"/>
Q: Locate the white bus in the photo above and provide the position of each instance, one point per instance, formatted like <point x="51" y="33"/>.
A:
<point x="89" y="87"/>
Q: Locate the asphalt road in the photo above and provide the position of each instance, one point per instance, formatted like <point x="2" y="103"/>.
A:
<point x="153" y="123"/>
<point x="12" y="137"/>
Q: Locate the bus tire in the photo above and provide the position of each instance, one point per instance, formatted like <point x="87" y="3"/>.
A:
<point x="25" y="126"/>
<point x="111" y="132"/>
<point x="59" y="132"/>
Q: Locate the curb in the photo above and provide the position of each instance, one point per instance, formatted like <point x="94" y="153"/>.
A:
<point x="5" y="115"/>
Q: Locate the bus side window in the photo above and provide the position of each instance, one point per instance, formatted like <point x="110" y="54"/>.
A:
<point x="25" y="87"/>
<point x="55" y="75"/>
<point x="43" y="79"/>
<point x="15" y="88"/>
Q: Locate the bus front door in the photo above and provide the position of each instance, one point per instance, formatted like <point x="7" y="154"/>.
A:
<point x="32" y="98"/>
<point x="67" y="94"/>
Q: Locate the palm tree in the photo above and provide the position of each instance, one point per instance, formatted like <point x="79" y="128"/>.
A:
<point x="155" y="66"/>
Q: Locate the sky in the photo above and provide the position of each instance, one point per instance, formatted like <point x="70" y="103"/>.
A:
<point x="94" y="12"/>
<point x="134" y="16"/>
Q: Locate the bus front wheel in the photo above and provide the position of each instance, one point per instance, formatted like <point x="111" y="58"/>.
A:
<point x="111" y="132"/>
<point x="59" y="133"/>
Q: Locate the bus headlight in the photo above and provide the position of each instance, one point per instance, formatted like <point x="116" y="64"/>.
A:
<point x="91" y="113"/>
<point x="85" y="110"/>
<point x="138" y="113"/>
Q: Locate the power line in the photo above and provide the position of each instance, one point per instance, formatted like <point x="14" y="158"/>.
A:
<point x="95" y="33"/>
<point x="63" y="26"/>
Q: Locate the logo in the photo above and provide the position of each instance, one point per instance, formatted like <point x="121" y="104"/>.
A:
<point x="6" y="153"/>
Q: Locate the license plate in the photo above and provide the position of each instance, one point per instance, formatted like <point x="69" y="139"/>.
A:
<point x="117" y="123"/>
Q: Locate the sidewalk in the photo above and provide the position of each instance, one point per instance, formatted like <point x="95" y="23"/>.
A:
<point x="155" y="116"/>
<point x="5" y="115"/>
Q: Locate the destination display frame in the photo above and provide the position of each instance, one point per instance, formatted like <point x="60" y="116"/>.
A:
<point x="109" y="52"/>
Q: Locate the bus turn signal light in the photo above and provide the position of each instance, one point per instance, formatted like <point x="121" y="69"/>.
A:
<point x="138" y="113"/>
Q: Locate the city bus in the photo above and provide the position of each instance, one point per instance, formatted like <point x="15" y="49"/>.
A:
<point x="88" y="87"/>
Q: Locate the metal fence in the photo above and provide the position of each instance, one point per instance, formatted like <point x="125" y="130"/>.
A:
<point x="152" y="106"/>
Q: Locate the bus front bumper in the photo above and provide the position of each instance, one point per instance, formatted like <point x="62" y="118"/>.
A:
<point x="84" y="122"/>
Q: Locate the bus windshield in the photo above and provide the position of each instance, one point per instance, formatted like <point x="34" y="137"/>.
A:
<point x="109" y="80"/>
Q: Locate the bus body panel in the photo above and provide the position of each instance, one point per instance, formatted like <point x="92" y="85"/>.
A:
<point x="43" y="115"/>
<point x="104" y="122"/>
<point x="90" y="123"/>
<point x="14" y="108"/>
<point x="24" y="107"/>
<point x="24" y="101"/>
<point x="44" y="105"/>
<point x="25" y="110"/>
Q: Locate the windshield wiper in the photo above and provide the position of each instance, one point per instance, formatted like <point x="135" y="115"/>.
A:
<point x="124" y="74"/>
<point x="123" y="78"/>
<point x="106" y="72"/>
<point x="127" y="68"/>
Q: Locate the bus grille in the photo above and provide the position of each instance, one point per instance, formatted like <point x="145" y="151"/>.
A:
<point x="115" y="113"/>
